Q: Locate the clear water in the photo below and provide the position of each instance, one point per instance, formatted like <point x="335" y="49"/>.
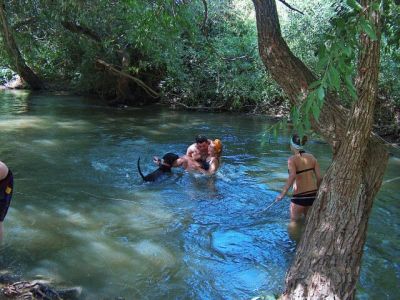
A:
<point x="81" y="215"/>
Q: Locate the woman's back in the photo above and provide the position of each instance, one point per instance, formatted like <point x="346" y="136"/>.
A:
<point x="305" y="165"/>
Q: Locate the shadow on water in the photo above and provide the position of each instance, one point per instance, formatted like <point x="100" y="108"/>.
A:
<point x="81" y="214"/>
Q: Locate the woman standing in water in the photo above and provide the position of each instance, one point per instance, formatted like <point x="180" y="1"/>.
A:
<point x="304" y="176"/>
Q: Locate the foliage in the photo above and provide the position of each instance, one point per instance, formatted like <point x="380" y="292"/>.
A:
<point x="214" y="65"/>
<point x="336" y="59"/>
<point x="223" y="68"/>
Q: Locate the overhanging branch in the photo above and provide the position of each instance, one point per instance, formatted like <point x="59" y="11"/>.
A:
<point x="81" y="30"/>
<point x="290" y="7"/>
<point x="139" y="82"/>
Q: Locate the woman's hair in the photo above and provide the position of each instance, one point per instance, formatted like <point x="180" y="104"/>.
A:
<point x="296" y="140"/>
<point x="217" y="144"/>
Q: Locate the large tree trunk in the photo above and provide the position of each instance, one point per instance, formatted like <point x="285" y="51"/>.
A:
<point x="328" y="258"/>
<point x="16" y="58"/>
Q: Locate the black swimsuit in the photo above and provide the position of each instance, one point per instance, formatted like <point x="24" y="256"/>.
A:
<point x="205" y="165"/>
<point x="305" y="198"/>
<point x="6" y="189"/>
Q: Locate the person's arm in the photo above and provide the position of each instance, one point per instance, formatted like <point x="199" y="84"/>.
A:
<point x="180" y="162"/>
<point x="190" y="150"/>
<point x="318" y="174"/>
<point x="289" y="181"/>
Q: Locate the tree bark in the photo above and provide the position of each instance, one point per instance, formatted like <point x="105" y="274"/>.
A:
<point x="18" y="63"/>
<point x="328" y="258"/>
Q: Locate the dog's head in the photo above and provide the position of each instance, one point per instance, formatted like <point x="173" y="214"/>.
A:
<point x="170" y="158"/>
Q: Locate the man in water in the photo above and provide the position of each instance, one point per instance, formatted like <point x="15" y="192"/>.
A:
<point x="199" y="151"/>
<point x="6" y="189"/>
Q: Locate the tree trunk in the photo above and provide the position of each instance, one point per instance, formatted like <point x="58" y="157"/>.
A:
<point x="123" y="91"/>
<point x="328" y="258"/>
<point x="18" y="63"/>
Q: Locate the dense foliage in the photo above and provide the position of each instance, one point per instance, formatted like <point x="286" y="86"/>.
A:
<point x="194" y="53"/>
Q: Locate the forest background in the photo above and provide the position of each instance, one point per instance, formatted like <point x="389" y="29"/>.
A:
<point x="200" y="55"/>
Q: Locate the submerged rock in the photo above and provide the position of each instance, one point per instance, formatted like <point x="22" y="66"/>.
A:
<point x="38" y="289"/>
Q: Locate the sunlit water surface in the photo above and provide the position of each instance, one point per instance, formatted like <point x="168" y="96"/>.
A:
<point x="82" y="216"/>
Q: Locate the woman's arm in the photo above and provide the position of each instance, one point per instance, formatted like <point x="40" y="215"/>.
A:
<point x="289" y="181"/>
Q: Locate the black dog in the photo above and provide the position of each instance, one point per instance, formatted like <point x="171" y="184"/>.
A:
<point x="164" y="168"/>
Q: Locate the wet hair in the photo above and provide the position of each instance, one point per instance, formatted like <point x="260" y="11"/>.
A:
<point x="201" y="139"/>
<point x="296" y="140"/>
<point x="217" y="146"/>
<point x="170" y="158"/>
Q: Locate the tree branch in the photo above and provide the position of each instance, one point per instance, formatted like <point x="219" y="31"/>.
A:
<point x="27" y="21"/>
<point x="75" y="28"/>
<point x="139" y="82"/>
<point x="204" y="26"/>
<point x="197" y="107"/>
<point x="290" y="7"/>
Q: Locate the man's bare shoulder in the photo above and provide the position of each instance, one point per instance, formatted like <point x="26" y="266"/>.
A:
<point x="191" y="148"/>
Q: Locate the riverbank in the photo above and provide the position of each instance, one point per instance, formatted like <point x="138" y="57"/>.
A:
<point x="387" y="115"/>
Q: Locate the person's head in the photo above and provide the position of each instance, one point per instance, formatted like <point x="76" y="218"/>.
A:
<point x="202" y="143"/>
<point x="296" y="144"/>
<point x="215" y="148"/>
<point x="170" y="158"/>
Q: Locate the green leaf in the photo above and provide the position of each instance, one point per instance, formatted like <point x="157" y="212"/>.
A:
<point x="321" y="94"/>
<point x="295" y="115"/>
<point x="334" y="77"/>
<point x="350" y="86"/>
<point x="315" y="111"/>
<point x="368" y="28"/>
<point x="314" y="84"/>
<point x="309" y="101"/>
<point x="354" y="4"/>
<point x="376" y="6"/>
<point x="307" y="124"/>
<point x="342" y="66"/>
<point x="346" y="50"/>
<point x="300" y="129"/>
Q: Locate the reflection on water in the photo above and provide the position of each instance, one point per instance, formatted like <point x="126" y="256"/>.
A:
<point x="81" y="215"/>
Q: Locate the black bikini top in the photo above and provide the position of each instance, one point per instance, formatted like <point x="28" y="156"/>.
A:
<point x="305" y="170"/>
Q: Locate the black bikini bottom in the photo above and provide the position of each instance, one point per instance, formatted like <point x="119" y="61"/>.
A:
<point x="304" y="199"/>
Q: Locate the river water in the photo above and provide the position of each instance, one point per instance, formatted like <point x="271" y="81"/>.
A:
<point x="82" y="216"/>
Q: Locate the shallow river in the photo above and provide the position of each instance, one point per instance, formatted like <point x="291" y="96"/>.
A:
<point x="81" y="215"/>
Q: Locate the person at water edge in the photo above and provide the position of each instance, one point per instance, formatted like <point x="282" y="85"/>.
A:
<point x="6" y="190"/>
<point x="304" y="176"/>
<point x="199" y="150"/>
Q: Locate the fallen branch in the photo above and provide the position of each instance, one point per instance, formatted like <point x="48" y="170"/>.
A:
<point x="197" y="107"/>
<point x="139" y="82"/>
